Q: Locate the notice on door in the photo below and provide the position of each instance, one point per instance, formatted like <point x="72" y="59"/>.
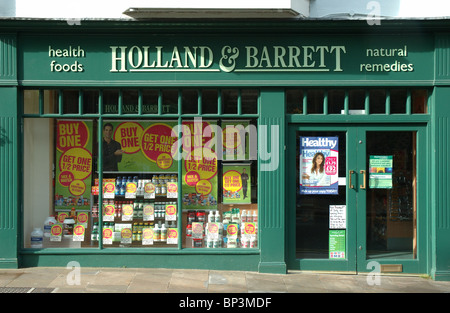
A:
<point x="337" y="244"/>
<point x="338" y="216"/>
<point x="380" y="171"/>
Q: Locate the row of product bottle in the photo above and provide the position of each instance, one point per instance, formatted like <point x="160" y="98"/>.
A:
<point x="159" y="230"/>
<point x="236" y="216"/>
<point x="159" y="208"/>
<point x="221" y="240"/>
<point x="240" y="235"/>
<point x="159" y="181"/>
<point x="233" y="216"/>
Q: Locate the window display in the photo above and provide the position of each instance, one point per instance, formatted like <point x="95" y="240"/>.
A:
<point x="135" y="183"/>
<point x="137" y="211"/>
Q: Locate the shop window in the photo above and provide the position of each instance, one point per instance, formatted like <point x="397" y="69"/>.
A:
<point x="249" y="101"/>
<point x="150" y="101"/>
<point x="70" y="101"/>
<point x="315" y="101"/>
<point x="419" y="100"/>
<point x="377" y="101"/>
<point x="133" y="197"/>
<point x="110" y="102"/>
<point x="189" y="101"/>
<point x="130" y="101"/>
<point x="336" y="99"/>
<point x="31" y="101"/>
<point x="294" y="101"/>
<point x="51" y="102"/>
<point x="398" y="101"/>
<point x="170" y="101"/>
<point x="210" y="101"/>
<point x="90" y="101"/>
<point x="356" y="101"/>
<point x="230" y="101"/>
<point x="227" y="186"/>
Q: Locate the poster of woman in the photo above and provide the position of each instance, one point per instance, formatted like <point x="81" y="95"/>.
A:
<point x="319" y="165"/>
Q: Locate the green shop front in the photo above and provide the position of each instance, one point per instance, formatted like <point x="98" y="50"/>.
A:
<point x="256" y="146"/>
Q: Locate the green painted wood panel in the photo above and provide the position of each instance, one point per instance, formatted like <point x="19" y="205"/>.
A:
<point x="8" y="60"/>
<point x="271" y="184"/>
<point x="8" y="177"/>
<point x="440" y="179"/>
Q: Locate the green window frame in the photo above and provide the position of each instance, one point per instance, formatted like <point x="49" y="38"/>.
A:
<point x="359" y="103"/>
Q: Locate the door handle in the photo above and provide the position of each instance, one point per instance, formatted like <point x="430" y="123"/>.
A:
<point x="350" y="173"/>
<point x="363" y="186"/>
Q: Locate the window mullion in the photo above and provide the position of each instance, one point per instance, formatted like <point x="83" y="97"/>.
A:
<point x="60" y="102"/>
<point x="408" y="102"/>
<point x="119" y="109"/>
<point x="388" y="102"/>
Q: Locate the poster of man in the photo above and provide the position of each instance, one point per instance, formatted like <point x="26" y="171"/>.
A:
<point x="112" y="150"/>
<point x="236" y="183"/>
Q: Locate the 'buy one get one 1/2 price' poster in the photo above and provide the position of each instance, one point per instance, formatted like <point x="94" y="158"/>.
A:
<point x="148" y="146"/>
<point x="74" y="164"/>
<point x="151" y="147"/>
<point x="200" y="166"/>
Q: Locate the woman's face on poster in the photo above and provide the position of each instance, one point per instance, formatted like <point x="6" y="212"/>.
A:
<point x="319" y="159"/>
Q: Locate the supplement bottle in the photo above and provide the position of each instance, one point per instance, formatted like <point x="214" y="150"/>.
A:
<point x="163" y="233"/>
<point x="48" y="223"/>
<point x="37" y="238"/>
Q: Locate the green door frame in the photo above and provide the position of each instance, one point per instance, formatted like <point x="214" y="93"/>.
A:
<point x="356" y="260"/>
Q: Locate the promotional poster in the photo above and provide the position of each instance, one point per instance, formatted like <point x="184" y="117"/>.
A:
<point x="319" y="165"/>
<point x="139" y="146"/>
<point x="73" y="164"/>
<point x="236" y="183"/>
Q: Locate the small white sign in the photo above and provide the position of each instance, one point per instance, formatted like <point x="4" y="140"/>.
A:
<point x="338" y="216"/>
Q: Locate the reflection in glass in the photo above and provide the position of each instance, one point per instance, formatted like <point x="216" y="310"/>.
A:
<point x="130" y="101"/>
<point x="31" y="101"/>
<point x="70" y="101"/>
<point x="209" y="101"/>
<point x="51" y="101"/>
<point x="391" y="211"/>
<point x="189" y="101"/>
<point x="230" y="101"/>
<point x="90" y="101"/>
<point x="315" y="101"/>
<point x="111" y="101"/>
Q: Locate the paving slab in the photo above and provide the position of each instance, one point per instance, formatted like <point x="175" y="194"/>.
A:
<point x="260" y="283"/>
<point x="140" y="280"/>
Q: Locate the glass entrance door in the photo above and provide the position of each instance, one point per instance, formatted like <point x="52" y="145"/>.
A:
<point x="357" y="201"/>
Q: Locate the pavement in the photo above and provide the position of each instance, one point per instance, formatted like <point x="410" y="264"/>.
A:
<point x="189" y="281"/>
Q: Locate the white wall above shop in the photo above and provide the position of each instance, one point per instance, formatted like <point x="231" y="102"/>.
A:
<point x="116" y="8"/>
<point x="386" y="8"/>
<point x="321" y="9"/>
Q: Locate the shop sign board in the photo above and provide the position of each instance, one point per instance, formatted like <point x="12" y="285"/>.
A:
<point x="147" y="59"/>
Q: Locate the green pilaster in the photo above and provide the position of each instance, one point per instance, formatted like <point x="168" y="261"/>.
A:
<point x="440" y="242"/>
<point x="8" y="153"/>
<point x="271" y="185"/>
<point x="441" y="180"/>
